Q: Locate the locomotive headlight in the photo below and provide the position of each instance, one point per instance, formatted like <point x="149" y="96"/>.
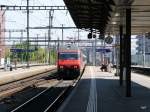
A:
<point x="61" y="67"/>
<point x="75" y="66"/>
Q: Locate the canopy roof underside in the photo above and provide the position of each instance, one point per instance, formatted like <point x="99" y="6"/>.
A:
<point x="104" y="15"/>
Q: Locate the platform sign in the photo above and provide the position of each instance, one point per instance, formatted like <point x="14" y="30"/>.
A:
<point x="103" y="50"/>
<point x="109" y="40"/>
<point x="22" y="50"/>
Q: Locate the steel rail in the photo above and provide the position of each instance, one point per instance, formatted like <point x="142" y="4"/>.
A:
<point x="33" y="98"/>
<point x="16" y="83"/>
<point x="53" y="104"/>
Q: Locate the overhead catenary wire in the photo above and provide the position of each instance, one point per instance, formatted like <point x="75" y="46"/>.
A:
<point x="35" y="16"/>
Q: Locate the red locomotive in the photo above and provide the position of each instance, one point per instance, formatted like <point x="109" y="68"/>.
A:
<point x="70" y="63"/>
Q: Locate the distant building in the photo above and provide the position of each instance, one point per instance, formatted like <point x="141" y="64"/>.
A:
<point x="143" y="45"/>
<point x="2" y="35"/>
<point x="141" y="41"/>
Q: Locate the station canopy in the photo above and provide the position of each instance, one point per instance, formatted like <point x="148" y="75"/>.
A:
<point x="90" y="14"/>
<point x="105" y="15"/>
<point x="140" y="17"/>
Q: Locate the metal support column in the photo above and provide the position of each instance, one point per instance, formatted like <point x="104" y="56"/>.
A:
<point x="45" y="50"/>
<point x="143" y="50"/>
<point x="101" y="53"/>
<point x="128" y="52"/>
<point x="28" y="34"/>
<point x="95" y="51"/>
<point x="93" y="54"/>
<point x="21" y="42"/>
<point x="58" y="44"/>
<point x="78" y="36"/>
<point x="9" y="35"/>
<point x="117" y="55"/>
<point x="62" y="33"/>
<point x="121" y="57"/>
<point x="37" y="38"/>
<point x="21" y="39"/>
<point x="49" y="35"/>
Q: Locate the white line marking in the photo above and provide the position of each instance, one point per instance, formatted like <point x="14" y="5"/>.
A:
<point x="92" y="102"/>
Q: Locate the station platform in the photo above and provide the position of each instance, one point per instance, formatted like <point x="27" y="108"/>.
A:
<point x="20" y="73"/>
<point x="24" y="69"/>
<point x="100" y="92"/>
<point x="21" y="65"/>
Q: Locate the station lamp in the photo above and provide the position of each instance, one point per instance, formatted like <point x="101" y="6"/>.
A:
<point x="90" y="36"/>
<point x="147" y="35"/>
<point x="117" y="14"/>
<point x="114" y="22"/>
<point x="101" y="36"/>
<point x="94" y="35"/>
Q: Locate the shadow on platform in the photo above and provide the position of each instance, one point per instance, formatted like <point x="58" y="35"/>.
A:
<point x="110" y="97"/>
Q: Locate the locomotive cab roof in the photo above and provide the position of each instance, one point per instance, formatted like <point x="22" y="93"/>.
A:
<point x="68" y="47"/>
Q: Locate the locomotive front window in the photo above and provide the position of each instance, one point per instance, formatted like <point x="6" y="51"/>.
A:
<point x="69" y="56"/>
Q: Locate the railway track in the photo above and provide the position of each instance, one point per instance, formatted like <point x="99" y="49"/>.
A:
<point x="41" y="101"/>
<point x="10" y="88"/>
<point x="49" y="99"/>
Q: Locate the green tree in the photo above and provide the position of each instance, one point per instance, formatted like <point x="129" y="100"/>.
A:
<point x="38" y="55"/>
<point x="53" y="56"/>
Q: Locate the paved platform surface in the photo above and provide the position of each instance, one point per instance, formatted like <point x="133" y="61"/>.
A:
<point x="21" y="66"/>
<point x="22" y="70"/>
<point x="100" y="92"/>
<point x="20" y="73"/>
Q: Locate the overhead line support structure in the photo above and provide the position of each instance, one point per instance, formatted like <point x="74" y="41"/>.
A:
<point x="47" y="27"/>
<point x="62" y="34"/>
<point x="49" y="35"/>
<point x="28" y="47"/>
<point x="12" y="8"/>
<point x="13" y="30"/>
<point x="27" y="8"/>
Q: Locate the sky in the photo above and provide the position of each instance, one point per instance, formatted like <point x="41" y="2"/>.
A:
<point x="17" y="20"/>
